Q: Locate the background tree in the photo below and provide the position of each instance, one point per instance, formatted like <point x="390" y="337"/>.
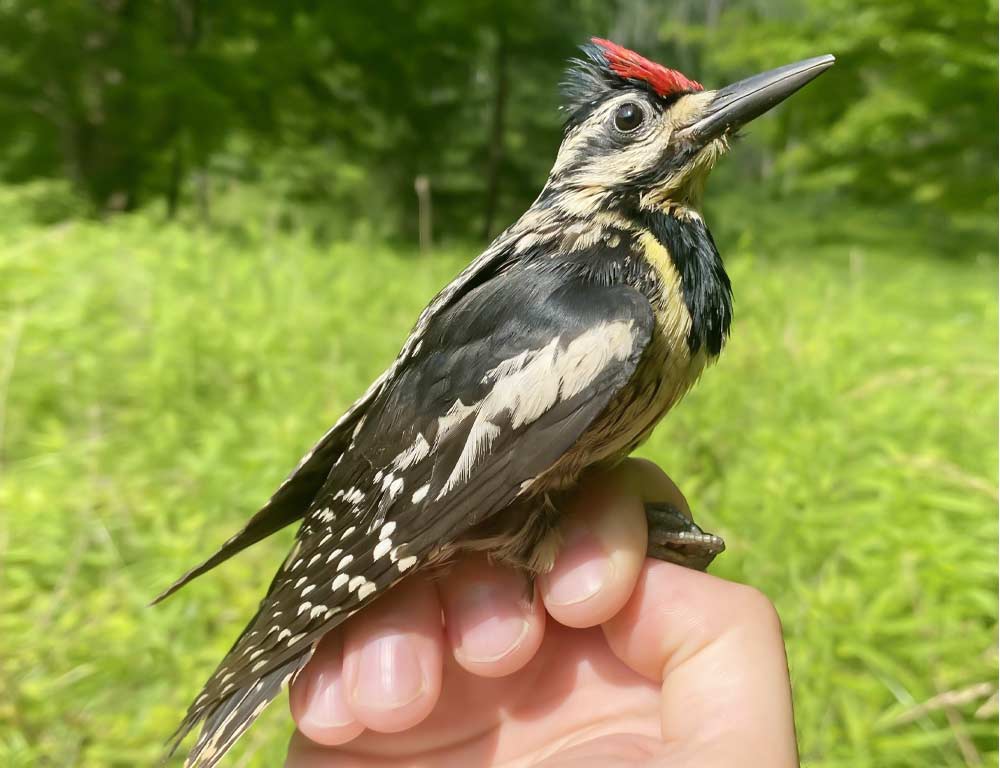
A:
<point x="338" y="108"/>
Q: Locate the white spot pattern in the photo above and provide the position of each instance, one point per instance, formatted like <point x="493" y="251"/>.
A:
<point x="381" y="548"/>
<point x="354" y="497"/>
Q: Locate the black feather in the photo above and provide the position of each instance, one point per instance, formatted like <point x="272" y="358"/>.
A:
<point x="287" y="505"/>
<point x="551" y="309"/>
<point x="228" y="719"/>
<point x="708" y="293"/>
<point x="591" y="80"/>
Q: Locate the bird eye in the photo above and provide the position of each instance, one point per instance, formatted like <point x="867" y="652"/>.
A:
<point x="628" y="117"/>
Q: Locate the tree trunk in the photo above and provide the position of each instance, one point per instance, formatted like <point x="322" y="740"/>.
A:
<point x="422" y="185"/>
<point x="174" y="183"/>
<point x="188" y="21"/>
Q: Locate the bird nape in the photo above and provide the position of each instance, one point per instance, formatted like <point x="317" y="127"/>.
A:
<point x="557" y="350"/>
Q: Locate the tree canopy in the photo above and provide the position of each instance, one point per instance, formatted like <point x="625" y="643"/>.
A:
<point x="343" y="106"/>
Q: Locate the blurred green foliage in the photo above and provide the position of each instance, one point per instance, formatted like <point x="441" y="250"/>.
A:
<point x="158" y="377"/>
<point x="338" y="108"/>
<point x="156" y="382"/>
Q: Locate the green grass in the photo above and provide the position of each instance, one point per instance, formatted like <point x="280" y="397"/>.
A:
<point x="156" y="383"/>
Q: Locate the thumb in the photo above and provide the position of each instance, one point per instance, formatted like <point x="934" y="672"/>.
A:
<point x="717" y="649"/>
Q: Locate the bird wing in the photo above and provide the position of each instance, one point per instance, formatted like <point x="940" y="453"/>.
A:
<point x="291" y="501"/>
<point x="497" y="387"/>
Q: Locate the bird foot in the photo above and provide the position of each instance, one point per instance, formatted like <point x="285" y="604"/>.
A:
<point x="674" y="538"/>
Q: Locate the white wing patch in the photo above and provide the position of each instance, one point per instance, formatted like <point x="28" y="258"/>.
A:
<point x="589" y="354"/>
<point x="528" y="385"/>
<point x="479" y="441"/>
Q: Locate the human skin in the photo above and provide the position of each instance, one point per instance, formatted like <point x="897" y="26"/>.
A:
<point x="615" y="660"/>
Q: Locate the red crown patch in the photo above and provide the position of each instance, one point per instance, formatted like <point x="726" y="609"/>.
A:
<point x="629" y="65"/>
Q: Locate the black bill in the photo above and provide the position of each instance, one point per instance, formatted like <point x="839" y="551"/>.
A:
<point x="741" y="102"/>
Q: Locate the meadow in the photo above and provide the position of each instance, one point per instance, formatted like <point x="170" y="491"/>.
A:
<point x="158" y="380"/>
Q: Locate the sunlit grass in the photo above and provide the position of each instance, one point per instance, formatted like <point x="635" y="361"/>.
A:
<point x="156" y="383"/>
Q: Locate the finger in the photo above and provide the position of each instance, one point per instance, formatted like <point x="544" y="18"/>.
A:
<point x="717" y="648"/>
<point x="318" y="697"/>
<point x="653" y="484"/>
<point x="392" y="658"/>
<point x="604" y="545"/>
<point x="493" y="619"/>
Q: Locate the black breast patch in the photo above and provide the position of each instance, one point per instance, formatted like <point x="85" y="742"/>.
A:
<point x="705" y="285"/>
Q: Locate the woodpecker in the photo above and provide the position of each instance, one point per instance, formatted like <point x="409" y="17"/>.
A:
<point x="555" y="351"/>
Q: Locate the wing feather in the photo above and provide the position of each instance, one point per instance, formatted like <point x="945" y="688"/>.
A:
<point x="291" y="500"/>
<point x="503" y="391"/>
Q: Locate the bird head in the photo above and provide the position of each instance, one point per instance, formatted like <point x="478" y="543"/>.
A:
<point x="639" y="135"/>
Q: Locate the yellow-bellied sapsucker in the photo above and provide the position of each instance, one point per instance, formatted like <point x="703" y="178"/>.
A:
<point x="558" y="349"/>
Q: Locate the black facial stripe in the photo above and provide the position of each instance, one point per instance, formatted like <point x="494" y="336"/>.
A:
<point x="672" y="159"/>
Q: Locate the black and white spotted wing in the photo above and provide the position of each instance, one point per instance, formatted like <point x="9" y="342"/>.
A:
<point x="492" y="394"/>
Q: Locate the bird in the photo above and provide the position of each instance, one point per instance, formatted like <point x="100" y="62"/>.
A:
<point x="554" y="352"/>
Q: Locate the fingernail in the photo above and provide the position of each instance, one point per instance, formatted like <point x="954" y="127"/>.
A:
<point x="488" y="624"/>
<point x="325" y="706"/>
<point x="581" y="570"/>
<point x="389" y="674"/>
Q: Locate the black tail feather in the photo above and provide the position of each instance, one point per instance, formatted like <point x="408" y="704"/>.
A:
<point x="229" y="719"/>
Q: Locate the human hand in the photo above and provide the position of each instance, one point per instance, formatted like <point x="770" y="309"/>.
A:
<point x="637" y="662"/>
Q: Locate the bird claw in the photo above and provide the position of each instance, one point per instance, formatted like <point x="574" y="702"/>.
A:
<point x="674" y="538"/>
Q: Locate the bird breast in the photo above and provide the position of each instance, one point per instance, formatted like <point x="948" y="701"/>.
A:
<point x="665" y="373"/>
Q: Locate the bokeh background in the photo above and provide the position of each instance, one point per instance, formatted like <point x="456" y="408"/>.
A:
<point x="211" y="242"/>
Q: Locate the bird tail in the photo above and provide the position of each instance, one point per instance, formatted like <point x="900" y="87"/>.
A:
<point x="227" y="720"/>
